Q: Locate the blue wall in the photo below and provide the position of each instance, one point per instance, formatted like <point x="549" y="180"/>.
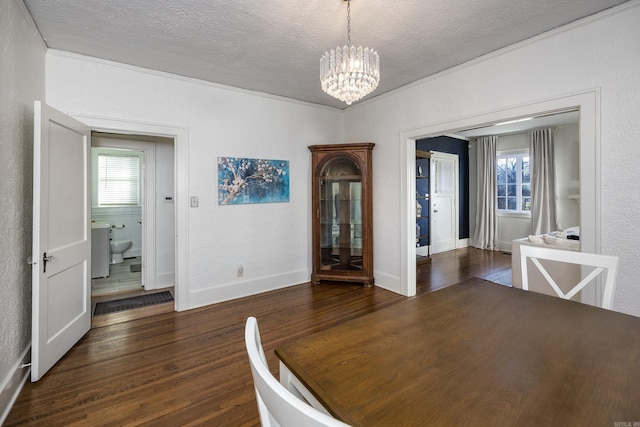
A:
<point x="446" y="144"/>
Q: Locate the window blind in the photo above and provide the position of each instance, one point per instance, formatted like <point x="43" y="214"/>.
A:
<point x="118" y="180"/>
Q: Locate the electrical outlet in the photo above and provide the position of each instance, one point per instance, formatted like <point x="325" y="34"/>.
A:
<point x="240" y="270"/>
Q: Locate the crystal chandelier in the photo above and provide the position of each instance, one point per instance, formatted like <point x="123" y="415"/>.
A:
<point x="349" y="73"/>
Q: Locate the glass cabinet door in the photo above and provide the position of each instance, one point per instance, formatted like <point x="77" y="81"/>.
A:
<point x="341" y="215"/>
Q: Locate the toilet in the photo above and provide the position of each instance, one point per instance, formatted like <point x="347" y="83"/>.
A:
<point x="118" y="247"/>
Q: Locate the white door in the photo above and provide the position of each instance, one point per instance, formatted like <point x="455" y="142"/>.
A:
<point x="444" y="213"/>
<point x="61" y="306"/>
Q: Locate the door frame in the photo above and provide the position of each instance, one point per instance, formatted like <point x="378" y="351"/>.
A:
<point x="587" y="102"/>
<point x="181" y="198"/>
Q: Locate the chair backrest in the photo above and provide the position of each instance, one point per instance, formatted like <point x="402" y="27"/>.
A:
<point x="277" y="406"/>
<point x="602" y="264"/>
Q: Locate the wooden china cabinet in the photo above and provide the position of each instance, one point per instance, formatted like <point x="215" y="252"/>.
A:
<point x="342" y="213"/>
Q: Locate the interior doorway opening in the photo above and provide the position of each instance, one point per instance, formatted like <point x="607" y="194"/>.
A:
<point x="586" y="104"/>
<point x="180" y="178"/>
<point x="118" y="191"/>
<point x="439" y="231"/>
<point x="137" y="204"/>
<point x="143" y="223"/>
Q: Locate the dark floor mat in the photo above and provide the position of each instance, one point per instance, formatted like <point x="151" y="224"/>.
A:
<point x="135" y="268"/>
<point x="115" y="306"/>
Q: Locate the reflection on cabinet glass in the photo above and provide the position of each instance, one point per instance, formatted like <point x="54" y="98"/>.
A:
<point x="341" y="223"/>
<point x="423" y="206"/>
<point x="342" y="242"/>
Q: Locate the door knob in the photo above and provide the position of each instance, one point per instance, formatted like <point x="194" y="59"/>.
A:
<point x="45" y="260"/>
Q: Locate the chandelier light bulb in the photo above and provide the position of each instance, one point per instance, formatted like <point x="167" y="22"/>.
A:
<point x="349" y="73"/>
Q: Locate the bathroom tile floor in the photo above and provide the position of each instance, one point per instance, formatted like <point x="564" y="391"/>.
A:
<point x="120" y="279"/>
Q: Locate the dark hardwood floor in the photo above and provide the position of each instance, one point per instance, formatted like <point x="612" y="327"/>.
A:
<point x="191" y="368"/>
<point x="451" y="267"/>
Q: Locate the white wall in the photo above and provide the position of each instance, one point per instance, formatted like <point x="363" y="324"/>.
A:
<point x="21" y="82"/>
<point x="568" y="175"/>
<point x="598" y="55"/>
<point x="271" y="241"/>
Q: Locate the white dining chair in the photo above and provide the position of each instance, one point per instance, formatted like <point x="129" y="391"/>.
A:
<point x="603" y="264"/>
<point x="276" y="405"/>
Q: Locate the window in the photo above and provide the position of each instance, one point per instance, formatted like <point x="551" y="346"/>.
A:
<point x="514" y="182"/>
<point x="118" y="180"/>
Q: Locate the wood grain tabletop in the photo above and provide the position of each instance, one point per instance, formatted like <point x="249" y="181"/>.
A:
<point x="476" y="353"/>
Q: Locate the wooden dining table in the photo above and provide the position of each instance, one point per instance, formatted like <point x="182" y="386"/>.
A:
<point x="473" y="354"/>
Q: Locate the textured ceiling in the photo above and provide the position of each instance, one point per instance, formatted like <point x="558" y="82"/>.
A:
<point x="274" y="46"/>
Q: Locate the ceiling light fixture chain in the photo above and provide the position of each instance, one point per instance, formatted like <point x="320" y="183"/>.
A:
<point x="349" y="22"/>
<point x="349" y="73"/>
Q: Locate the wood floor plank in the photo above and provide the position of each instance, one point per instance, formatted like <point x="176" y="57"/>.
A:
<point x="190" y="368"/>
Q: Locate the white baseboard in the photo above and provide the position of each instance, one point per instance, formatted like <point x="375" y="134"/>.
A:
<point x="229" y="291"/>
<point x="13" y="383"/>
<point x="462" y="243"/>
<point x="505" y="246"/>
<point x="390" y="283"/>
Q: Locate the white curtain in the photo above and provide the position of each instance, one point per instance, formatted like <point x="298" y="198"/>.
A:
<point x="485" y="235"/>
<point x="543" y="191"/>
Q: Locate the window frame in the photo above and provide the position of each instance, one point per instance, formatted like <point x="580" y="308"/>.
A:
<point x="520" y="153"/>
<point x="114" y="154"/>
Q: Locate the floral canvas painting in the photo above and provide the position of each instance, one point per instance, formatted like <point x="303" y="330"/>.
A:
<point x="243" y="181"/>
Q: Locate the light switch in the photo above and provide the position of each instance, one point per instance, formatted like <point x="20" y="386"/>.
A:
<point x="194" y="201"/>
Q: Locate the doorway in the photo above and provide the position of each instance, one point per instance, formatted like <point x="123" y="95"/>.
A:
<point x="587" y="103"/>
<point x="452" y="230"/>
<point x="180" y="239"/>
<point x="144" y="218"/>
<point x="60" y="318"/>
<point x="118" y="186"/>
